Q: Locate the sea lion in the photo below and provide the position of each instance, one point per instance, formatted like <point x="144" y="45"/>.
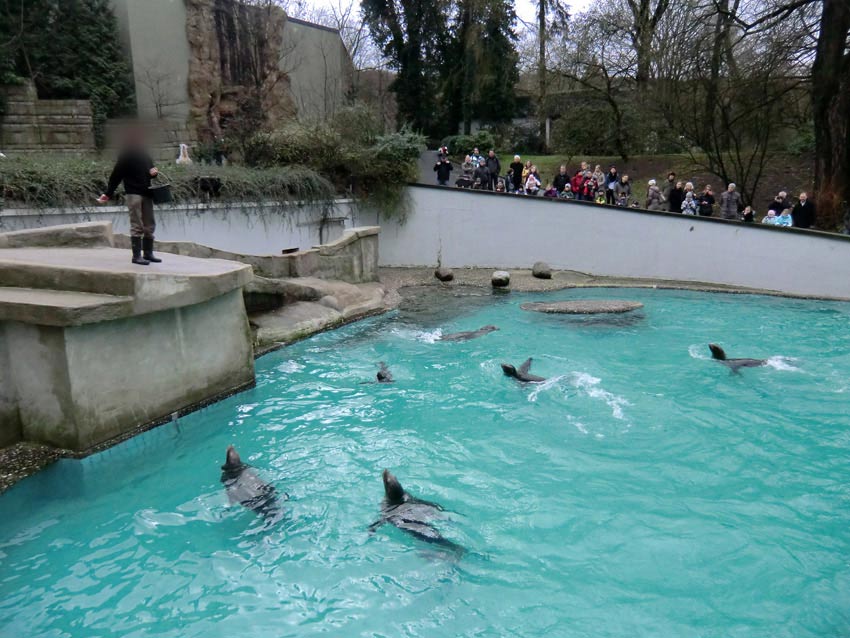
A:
<point x="245" y="487"/>
<point x="522" y="374"/>
<point x="734" y="365"/>
<point x="384" y="375"/>
<point x="469" y="334"/>
<point x="410" y="514"/>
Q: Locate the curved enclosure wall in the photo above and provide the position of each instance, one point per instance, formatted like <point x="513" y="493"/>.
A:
<point x="464" y="228"/>
<point x="250" y="229"/>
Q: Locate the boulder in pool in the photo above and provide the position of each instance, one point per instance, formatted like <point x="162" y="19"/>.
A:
<point x="501" y="279"/>
<point x="444" y="274"/>
<point x="583" y="306"/>
<point x="541" y="270"/>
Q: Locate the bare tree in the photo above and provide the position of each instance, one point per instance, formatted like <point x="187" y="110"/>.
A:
<point x="160" y="87"/>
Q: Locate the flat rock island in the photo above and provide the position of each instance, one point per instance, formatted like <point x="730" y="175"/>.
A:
<point x="583" y="306"/>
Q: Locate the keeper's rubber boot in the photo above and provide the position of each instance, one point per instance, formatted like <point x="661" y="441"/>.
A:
<point x="136" y="243"/>
<point x="147" y="246"/>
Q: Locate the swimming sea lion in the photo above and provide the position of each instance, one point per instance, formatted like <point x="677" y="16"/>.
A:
<point x="409" y="513"/>
<point x="384" y="375"/>
<point x="469" y="334"/>
<point x="522" y="374"/>
<point x="245" y="487"/>
<point x="719" y="355"/>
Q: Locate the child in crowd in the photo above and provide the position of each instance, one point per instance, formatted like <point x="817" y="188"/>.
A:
<point x="770" y="218"/>
<point x="532" y="184"/>
<point x="689" y="205"/>
<point x="785" y="218"/>
<point x="600" y="197"/>
<point x="550" y="191"/>
<point x="500" y="186"/>
<point x="748" y="215"/>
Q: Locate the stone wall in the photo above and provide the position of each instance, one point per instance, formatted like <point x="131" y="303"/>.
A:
<point x="31" y="125"/>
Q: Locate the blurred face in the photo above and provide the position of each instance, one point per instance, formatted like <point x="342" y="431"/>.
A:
<point x="584" y="166"/>
<point x="563" y="169"/>
<point x="475" y="151"/>
<point x="678" y="184"/>
<point x="803" y="197"/>
<point x="731" y="187"/>
<point x="491" y="154"/>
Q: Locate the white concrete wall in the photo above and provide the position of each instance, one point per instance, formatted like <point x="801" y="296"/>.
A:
<point x="248" y="230"/>
<point x="466" y="228"/>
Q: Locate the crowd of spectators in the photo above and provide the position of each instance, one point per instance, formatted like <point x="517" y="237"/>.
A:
<point x="484" y="172"/>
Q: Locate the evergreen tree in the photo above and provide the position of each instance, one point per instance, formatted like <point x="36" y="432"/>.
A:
<point x="412" y="36"/>
<point x="479" y="79"/>
<point x="70" y="50"/>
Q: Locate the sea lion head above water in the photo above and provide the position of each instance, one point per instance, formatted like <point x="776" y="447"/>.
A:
<point x="393" y="491"/>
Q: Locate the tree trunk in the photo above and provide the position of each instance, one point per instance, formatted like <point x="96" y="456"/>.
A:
<point x="541" y="71"/>
<point x="831" y="106"/>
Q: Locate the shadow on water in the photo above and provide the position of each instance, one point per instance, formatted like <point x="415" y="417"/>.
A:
<point x="597" y="321"/>
<point x="432" y="306"/>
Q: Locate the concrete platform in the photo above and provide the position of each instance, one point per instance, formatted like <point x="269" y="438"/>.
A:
<point x="94" y="348"/>
<point x="178" y="281"/>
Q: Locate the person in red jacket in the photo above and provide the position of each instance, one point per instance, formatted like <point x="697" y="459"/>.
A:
<point x="576" y="185"/>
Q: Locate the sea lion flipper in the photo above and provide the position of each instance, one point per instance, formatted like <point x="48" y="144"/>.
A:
<point x="374" y="526"/>
<point x="526" y="366"/>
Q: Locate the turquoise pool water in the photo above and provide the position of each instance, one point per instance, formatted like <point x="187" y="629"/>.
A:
<point x="642" y="491"/>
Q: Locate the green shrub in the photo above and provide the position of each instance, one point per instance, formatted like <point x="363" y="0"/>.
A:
<point x="348" y="151"/>
<point x="460" y="145"/>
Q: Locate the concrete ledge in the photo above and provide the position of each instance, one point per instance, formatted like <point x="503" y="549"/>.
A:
<point x="352" y="258"/>
<point x="60" y="307"/>
<point x="86" y="234"/>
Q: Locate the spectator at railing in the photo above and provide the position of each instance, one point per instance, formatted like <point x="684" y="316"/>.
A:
<point x="532" y="183"/>
<point x="481" y="176"/>
<point x="468" y="166"/>
<point x="785" y="219"/>
<point x="706" y="202"/>
<point x="689" y="188"/>
<point x="669" y="185"/>
<point x="779" y="203"/>
<point x="589" y="187"/>
<point x="476" y="157"/>
<point x="804" y="212"/>
<point x="584" y="167"/>
<point x="770" y="218"/>
<point x="444" y="169"/>
<point x="525" y="172"/>
<point x="623" y="191"/>
<point x="562" y="180"/>
<point x="599" y="177"/>
<point x="654" y="197"/>
<point x="577" y="184"/>
<point x="515" y="171"/>
<point x="730" y="203"/>
<point x="689" y="206"/>
<point x="494" y="166"/>
<point x="676" y="197"/>
<point x="749" y="215"/>
<point x="611" y="179"/>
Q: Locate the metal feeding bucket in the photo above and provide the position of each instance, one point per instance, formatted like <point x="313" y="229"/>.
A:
<point x="160" y="193"/>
